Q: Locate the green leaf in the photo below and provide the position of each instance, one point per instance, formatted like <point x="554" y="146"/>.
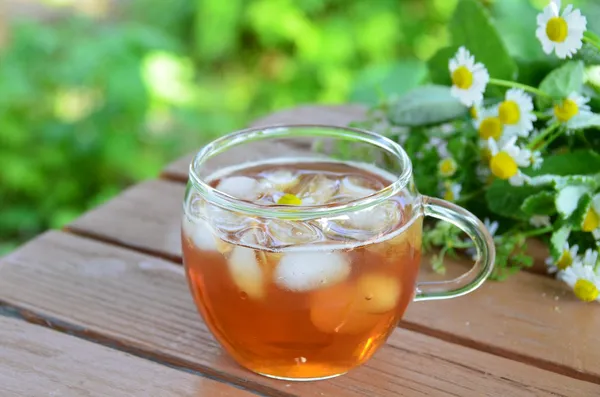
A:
<point x="221" y="17"/>
<point x="506" y="200"/>
<point x="439" y="73"/>
<point x="457" y="146"/>
<point x="514" y="19"/>
<point x="539" y="204"/>
<point x="471" y="26"/>
<point x="578" y="215"/>
<point x="561" y="82"/>
<point x="568" y="197"/>
<point x="580" y="162"/>
<point x="588" y="54"/>
<point x="558" y="240"/>
<point x="387" y="80"/>
<point x="585" y="120"/>
<point x="430" y="104"/>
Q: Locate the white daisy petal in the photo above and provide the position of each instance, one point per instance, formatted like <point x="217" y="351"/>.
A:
<point x="469" y="79"/>
<point x="561" y="33"/>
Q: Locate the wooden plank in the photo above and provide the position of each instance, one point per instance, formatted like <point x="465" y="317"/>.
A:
<point x="35" y="361"/>
<point x="143" y="303"/>
<point x="528" y="317"/>
<point x="340" y="115"/>
<point x="146" y="217"/>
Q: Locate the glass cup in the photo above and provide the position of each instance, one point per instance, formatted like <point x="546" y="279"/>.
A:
<point x="295" y="308"/>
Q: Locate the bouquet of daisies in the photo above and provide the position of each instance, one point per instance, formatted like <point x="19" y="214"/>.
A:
<point x="523" y="156"/>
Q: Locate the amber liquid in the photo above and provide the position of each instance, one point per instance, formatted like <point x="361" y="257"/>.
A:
<point x="307" y="334"/>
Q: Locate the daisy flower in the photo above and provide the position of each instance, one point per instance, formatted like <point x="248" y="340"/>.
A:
<point x="583" y="279"/>
<point x="452" y="192"/>
<point x="590" y="258"/>
<point x="536" y="160"/>
<point x="488" y="124"/>
<point x="568" y="110"/>
<point x="567" y="256"/>
<point x="475" y="110"/>
<point x="562" y="34"/>
<point x="539" y="220"/>
<point x="447" y="167"/>
<point x="516" y="113"/>
<point x="505" y="161"/>
<point x="591" y="221"/>
<point x="440" y="145"/>
<point x="469" y="79"/>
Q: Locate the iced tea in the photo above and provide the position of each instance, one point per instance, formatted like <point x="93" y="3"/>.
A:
<point x="302" y="299"/>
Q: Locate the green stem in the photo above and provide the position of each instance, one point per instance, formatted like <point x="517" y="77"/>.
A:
<point x="591" y="42"/>
<point x="591" y="35"/>
<point x="467" y="197"/>
<point x="537" y="232"/>
<point x="542" y="136"/>
<point x="524" y="87"/>
<point x="550" y="139"/>
<point x="581" y="134"/>
<point x="541" y="115"/>
<point x="461" y="245"/>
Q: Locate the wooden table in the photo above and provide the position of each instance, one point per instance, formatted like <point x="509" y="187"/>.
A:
<point x="102" y="308"/>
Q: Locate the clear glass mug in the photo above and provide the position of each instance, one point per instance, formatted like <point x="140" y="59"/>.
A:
<point x="295" y="308"/>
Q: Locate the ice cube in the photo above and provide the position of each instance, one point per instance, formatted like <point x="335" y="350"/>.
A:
<point x="315" y="189"/>
<point x="352" y="188"/>
<point x="377" y="293"/>
<point x="333" y="310"/>
<point x="376" y="218"/>
<point x="245" y="272"/>
<point x="200" y="234"/>
<point x="402" y="246"/>
<point x="226" y="220"/>
<point x="305" y="271"/>
<point x="281" y="179"/>
<point x="240" y="187"/>
<point x="289" y="232"/>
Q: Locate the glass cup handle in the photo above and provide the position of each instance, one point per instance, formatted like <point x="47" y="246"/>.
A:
<point x="484" y="244"/>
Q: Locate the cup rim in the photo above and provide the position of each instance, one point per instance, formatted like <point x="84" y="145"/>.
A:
<point x="262" y="133"/>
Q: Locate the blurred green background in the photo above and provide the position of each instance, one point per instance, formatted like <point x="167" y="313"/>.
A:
<point x="98" y="94"/>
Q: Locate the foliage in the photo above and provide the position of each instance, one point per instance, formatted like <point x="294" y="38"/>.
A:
<point x="92" y="103"/>
<point x="523" y="128"/>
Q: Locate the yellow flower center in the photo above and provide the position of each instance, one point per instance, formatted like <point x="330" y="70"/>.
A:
<point x="473" y="112"/>
<point x="447" y="166"/>
<point x="503" y="166"/>
<point x="591" y="221"/>
<point x="462" y="77"/>
<point x="490" y="127"/>
<point x="557" y="29"/>
<point x="585" y="290"/>
<point x="565" y="260"/>
<point x="565" y="110"/>
<point x="289" y="199"/>
<point x="509" y="113"/>
<point x="449" y="195"/>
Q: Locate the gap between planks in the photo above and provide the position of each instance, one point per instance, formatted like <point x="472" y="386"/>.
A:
<point x="57" y="352"/>
<point x="31" y="317"/>
<point x="405" y="324"/>
<point x="409" y="363"/>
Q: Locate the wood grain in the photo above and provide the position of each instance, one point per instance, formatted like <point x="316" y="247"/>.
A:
<point x="140" y="219"/>
<point x="143" y="304"/>
<point x="35" y="361"/>
<point x="528" y="317"/>
<point x="340" y="115"/>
